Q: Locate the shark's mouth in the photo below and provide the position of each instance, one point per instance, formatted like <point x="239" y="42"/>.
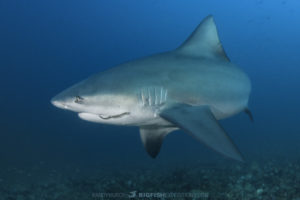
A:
<point x="106" y="117"/>
<point x="101" y="118"/>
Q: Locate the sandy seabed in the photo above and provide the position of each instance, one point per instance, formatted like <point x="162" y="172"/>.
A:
<point x="270" y="180"/>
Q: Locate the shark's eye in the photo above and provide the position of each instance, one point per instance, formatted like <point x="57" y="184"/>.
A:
<point x="78" y="99"/>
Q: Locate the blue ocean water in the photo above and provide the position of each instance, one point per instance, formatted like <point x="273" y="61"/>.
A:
<point x="46" y="46"/>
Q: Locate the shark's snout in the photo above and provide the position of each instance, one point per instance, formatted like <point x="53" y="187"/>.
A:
<point x="57" y="102"/>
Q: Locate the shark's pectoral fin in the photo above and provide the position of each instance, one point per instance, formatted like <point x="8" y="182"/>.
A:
<point x="152" y="138"/>
<point x="201" y="123"/>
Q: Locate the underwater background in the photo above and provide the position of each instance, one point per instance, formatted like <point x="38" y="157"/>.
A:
<point x="48" y="153"/>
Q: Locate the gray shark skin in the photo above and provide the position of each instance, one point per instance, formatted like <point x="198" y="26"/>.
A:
<point x="189" y="88"/>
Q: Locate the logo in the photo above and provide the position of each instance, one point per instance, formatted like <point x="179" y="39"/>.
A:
<point x="132" y="194"/>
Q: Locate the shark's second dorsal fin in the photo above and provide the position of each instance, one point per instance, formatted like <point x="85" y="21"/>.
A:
<point x="204" y="41"/>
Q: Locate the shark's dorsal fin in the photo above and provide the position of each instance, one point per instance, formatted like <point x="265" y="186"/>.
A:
<point x="152" y="138"/>
<point x="204" y="41"/>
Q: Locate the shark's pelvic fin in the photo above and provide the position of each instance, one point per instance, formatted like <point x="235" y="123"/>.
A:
<point x="152" y="138"/>
<point x="204" y="41"/>
<point x="201" y="123"/>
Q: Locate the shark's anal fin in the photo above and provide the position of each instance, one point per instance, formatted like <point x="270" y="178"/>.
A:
<point x="201" y="123"/>
<point x="152" y="138"/>
<point x="249" y="113"/>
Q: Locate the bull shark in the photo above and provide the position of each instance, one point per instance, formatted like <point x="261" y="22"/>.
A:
<point x="190" y="88"/>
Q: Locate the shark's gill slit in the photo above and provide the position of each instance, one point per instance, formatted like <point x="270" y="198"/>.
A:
<point x="149" y="96"/>
<point x="161" y="94"/>
<point x="153" y="96"/>
<point x="113" y="116"/>
<point x="143" y="97"/>
<point x="166" y="95"/>
<point x="156" y="96"/>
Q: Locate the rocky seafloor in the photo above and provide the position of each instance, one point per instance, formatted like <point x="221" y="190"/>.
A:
<point x="271" y="180"/>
